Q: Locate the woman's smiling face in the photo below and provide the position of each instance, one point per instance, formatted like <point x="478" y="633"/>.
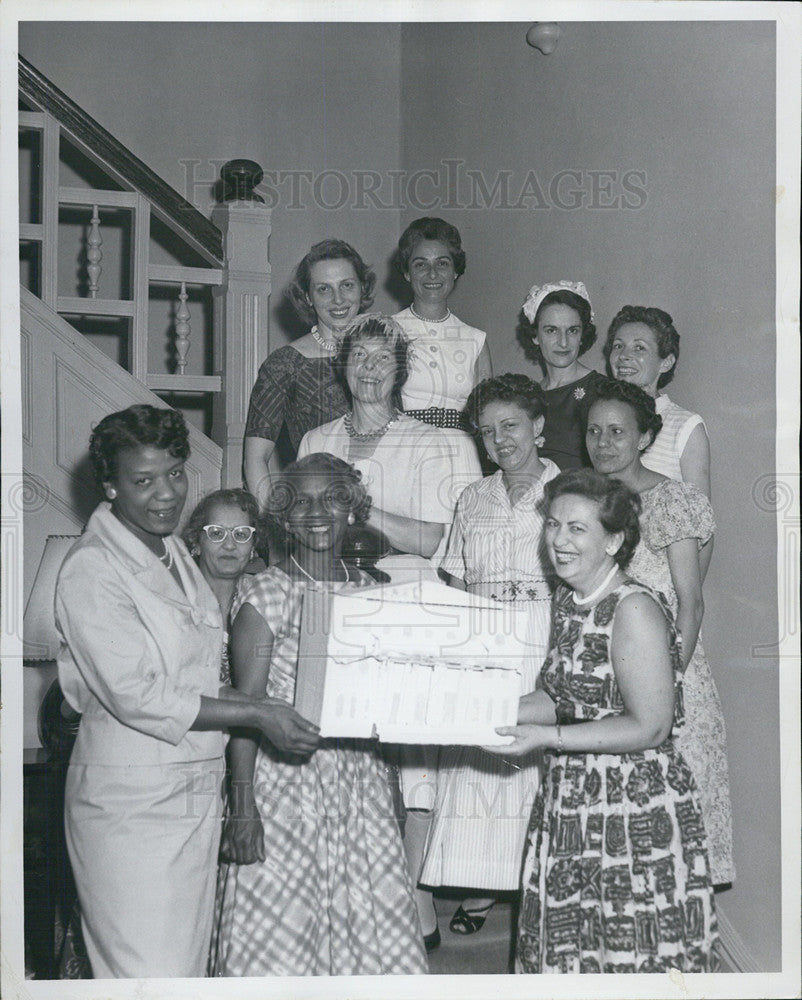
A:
<point x="334" y="293"/>
<point x="431" y="272"/>
<point x="576" y="541"/>
<point x="635" y="357"/>
<point x="148" y="492"/>
<point x="318" y="511"/>
<point x="509" y="435"/>
<point x="371" y="370"/>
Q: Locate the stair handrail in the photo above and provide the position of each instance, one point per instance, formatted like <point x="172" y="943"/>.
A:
<point x="101" y="146"/>
<point x="235" y="242"/>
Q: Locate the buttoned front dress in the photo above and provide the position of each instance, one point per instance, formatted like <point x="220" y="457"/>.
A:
<point x="441" y="365"/>
<point x="143" y="792"/>
<point x="483" y="802"/>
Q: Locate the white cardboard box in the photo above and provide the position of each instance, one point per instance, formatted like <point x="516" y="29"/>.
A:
<point x="416" y="663"/>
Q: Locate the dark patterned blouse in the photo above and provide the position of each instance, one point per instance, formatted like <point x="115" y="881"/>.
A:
<point x="293" y="390"/>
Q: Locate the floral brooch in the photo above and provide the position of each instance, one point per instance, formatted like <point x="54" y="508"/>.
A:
<point x="579" y="393"/>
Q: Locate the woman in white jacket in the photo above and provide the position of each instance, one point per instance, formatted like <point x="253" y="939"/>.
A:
<point x="140" y="660"/>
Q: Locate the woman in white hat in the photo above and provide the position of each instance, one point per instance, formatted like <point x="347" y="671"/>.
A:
<point x="562" y="331"/>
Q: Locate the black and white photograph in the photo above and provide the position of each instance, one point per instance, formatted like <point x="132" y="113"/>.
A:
<point x="400" y="515"/>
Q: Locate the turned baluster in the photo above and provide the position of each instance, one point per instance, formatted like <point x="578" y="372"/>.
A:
<point x="182" y="329"/>
<point x="94" y="254"/>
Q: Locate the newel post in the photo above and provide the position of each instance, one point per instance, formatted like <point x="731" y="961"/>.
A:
<point x="240" y="307"/>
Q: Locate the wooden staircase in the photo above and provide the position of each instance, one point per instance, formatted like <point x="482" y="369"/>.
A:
<point x="128" y="294"/>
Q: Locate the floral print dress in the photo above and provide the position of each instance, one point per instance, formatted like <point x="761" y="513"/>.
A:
<point x="616" y="876"/>
<point x="673" y="511"/>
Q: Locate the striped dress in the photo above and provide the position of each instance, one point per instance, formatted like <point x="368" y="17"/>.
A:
<point x="664" y="454"/>
<point x="483" y="803"/>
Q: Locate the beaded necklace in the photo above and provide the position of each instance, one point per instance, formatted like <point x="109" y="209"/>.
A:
<point x="367" y="435"/>
<point x="424" y="320"/>
<point x="598" y="590"/>
<point x="325" y="344"/>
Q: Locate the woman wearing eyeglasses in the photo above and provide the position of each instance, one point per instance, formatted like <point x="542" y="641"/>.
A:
<point x="222" y="535"/>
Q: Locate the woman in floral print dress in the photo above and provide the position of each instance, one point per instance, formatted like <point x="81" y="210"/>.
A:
<point x="616" y="876"/>
<point x="676" y="524"/>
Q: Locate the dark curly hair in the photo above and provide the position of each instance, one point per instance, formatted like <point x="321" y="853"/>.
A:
<point x="661" y="325"/>
<point x="521" y="390"/>
<point x="298" y="289"/>
<point x="375" y="326"/>
<point x="648" y="419"/>
<point x="430" y="228"/>
<point x="132" y="428"/>
<point x="222" y="498"/>
<point x="565" y="297"/>
<point x="619" y="506"/>
<point x="349" y="491"/>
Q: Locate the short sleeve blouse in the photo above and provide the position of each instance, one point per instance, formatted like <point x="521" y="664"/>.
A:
<point x="665" y="453"/>
<point x="673" y="511"/>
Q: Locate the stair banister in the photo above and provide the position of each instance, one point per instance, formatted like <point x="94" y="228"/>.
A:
<point x="241" y="318"/>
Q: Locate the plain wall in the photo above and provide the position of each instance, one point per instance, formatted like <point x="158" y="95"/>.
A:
<point x="689" y="105"/>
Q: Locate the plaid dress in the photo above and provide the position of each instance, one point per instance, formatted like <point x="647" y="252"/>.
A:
<point x="333" y="896"/>
<point x="616" y="875"/>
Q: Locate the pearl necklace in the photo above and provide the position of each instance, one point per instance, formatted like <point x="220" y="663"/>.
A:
<point x="318" y="582"/>
<point x="325" y="344"/>
<point x="598" y="590"/>
<point x="423" y="320"/>
<point x="167" y="558"/>
<point x="367" y="435"/>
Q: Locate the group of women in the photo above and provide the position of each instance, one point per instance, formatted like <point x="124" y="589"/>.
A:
<point x="608" y="810"/>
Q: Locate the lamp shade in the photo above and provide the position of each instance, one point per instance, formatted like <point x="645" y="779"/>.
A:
<point x="40" y="638"/>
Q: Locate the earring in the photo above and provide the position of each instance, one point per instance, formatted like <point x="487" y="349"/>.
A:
<point x="111" y="493"/>
<point x="351" y="518"/>
<point x="194" y="551"/>
<point x="540" y="441"/>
